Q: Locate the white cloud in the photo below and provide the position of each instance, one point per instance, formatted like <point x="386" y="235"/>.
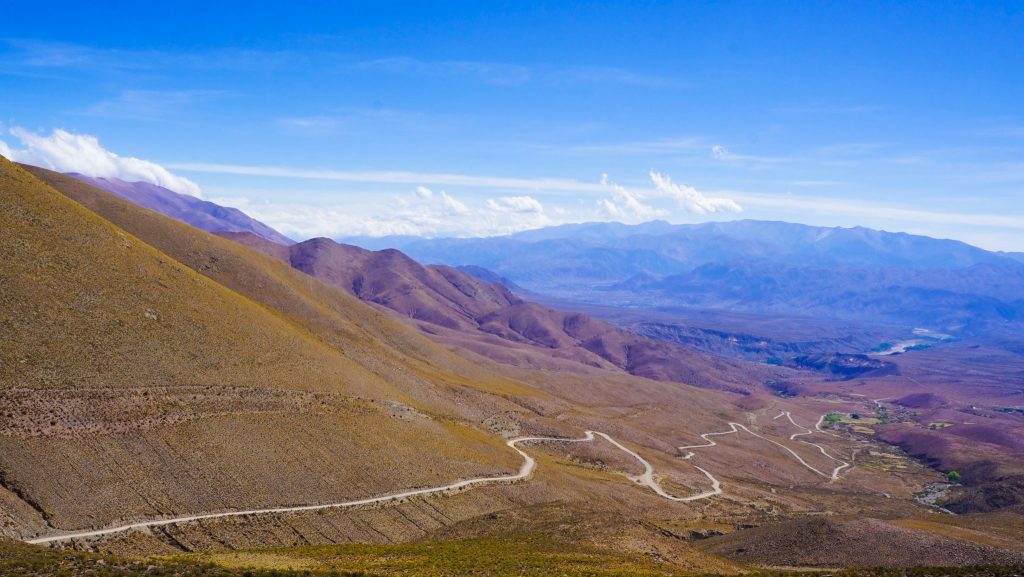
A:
<point x="689" y="198"/>
<point x="524" y="204"/>
<point x="451" y="206"/>
<point x="625" y="205"/>
<point x="723" y="154"/>
<point x="397" y="177"/>
<point x="64" y="151"/>
<point x="719" y="152"/>
<point x="422" y="212"/>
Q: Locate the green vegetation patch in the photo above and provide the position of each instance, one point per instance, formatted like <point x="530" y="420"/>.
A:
<point x="832" y="418"/>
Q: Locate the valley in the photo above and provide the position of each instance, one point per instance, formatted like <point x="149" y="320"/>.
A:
<point x="456" y="403"/>
<point x="511" y="289"/>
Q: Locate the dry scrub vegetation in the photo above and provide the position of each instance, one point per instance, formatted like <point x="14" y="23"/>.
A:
<point x="514" y="555"/>
<point x="152" y="370"/>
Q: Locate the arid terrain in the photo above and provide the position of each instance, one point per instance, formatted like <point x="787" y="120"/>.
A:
<point x="170" y="392"/>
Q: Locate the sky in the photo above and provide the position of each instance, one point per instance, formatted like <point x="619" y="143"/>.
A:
<point x="480" y="118"/>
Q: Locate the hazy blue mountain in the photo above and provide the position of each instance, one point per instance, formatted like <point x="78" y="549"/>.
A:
<point x="756" y="266"/>
<point x="202" y="214"/>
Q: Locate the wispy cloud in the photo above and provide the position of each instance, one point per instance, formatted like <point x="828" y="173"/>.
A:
<point x="877" y="211"/>
<point x="491" y="72"/>
<point x="608" y="75"/>
<point x="356" y="119"/>
<point x="850" y="149"/>
<point x="839" y="109"/>
<point x="151" y="104"/>
<point x="658" y="147"/>
<point x="24" y="54"/>
<point x="1005" y="131"/>
<point x="64" y="151"/>
<point x="723" y="154"/>
<point x="45" y="54"/>
<point x="311" y="125"/>
<point x="397" y="177"/>
<point x="503" y="73"/>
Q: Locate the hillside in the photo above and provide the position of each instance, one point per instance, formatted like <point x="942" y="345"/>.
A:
<point x="202" y="214"/>
<point x="455" y="308"/>
<point x="363" y="406"/>
<point x="121" y="358"/>
<point x="855" y="274"/>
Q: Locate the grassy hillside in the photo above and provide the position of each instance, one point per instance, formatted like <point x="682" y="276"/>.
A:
<point x="391" y="350"/>
<point x="156" y="370"/>
<point x="129" y="377"/>
<point x="89" y="305"/>
<point x="454" y="308"/>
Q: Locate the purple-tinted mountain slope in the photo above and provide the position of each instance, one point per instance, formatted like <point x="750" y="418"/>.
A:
<point x="202" y="214"/>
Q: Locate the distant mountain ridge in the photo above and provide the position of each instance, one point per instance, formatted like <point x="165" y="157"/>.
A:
<point x="684" y="246"/>
<point x="754" y="266"/>
<point x="202" y="214"/>
<point x="456" y="308"/>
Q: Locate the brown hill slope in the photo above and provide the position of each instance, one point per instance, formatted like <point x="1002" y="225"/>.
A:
<point x="202" y="214"/>
<point x="88" y="304"/>
<point x="853" y="542"/>
<point x="455" y="308"/>
<point x="133" y="386"/>
<point x="85" y="456"/>
<point x="392" y="351"/>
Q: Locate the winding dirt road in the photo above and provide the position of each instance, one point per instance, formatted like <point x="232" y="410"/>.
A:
<point x="842" y="464"/>
<point x="527" y="468"/>
<point x="737" y="427"/>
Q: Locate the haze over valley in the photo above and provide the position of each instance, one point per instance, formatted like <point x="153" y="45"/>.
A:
<point x="511" y="290"/>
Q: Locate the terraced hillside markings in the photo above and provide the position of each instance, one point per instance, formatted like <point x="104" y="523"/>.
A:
<point x="737" y="427"/>
<point x="528" y="466"/>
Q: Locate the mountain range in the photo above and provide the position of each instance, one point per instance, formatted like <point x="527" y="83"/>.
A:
<point x="224" y="396"/>
<point x="455" y="308"/>
<point x="752" y="266"/>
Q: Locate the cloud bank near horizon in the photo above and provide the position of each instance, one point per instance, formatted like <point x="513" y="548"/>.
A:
<point x="64" y="151"/>
<point x="453" y="204"/>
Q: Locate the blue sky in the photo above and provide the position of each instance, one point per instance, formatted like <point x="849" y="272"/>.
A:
<point x="476" y="118"/>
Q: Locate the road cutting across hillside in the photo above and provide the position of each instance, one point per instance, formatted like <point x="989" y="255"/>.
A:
<point x="842" y="464"/>
<point x="737" y="427"/>
<point x="525" y="470"/>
